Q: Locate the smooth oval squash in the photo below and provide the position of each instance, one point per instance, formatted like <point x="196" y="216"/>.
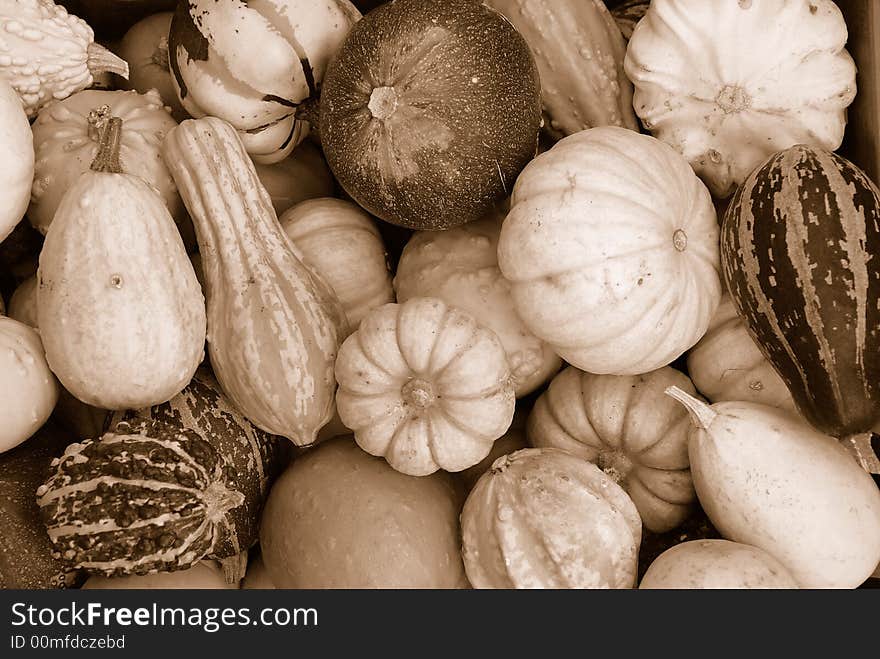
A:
<point x="16" y="159"/>
<point x="611" y="249"/>
<point x="205" y="575"/>
<point x="543" y="518"/>
<point x="429" y="111"/>
<point x="302" y="175"/>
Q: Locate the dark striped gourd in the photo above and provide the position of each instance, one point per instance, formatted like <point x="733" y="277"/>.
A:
<point x="164" y="487"/>
<point x="801" y="256"/>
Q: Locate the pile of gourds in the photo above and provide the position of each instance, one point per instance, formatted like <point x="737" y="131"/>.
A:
<point x="455" y="294"/>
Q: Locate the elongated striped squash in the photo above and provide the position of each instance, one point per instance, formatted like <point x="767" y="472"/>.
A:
<point x="164" y="487"/>
<point x="579" y="50"/>
<point x="801" y="256"/>
<point x="274" y="326"/>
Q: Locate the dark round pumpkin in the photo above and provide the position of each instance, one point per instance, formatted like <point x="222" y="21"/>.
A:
<point x="429" y="111"/>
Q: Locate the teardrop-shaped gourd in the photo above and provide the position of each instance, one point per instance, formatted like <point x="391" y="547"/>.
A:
<point x="630" y="429"/>
<point x="119" y="308"/>
<point x="766" y="478"/>
<point x="340" y="242"/>
<point x="274" y="326"/>
<point x="544" y="518"/>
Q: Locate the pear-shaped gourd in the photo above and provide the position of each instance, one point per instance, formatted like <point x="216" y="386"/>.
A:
<point x="766" y="478"/>
<point x="119" y="308"/>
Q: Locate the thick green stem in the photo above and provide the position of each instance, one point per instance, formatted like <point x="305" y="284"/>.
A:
<point x="107" y="158"/>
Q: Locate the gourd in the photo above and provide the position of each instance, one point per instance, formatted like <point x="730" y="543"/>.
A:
<point x="341" y="243"/>
<point x="119" y="308"/>
<point x="163" y="487"/>
<point x="579" y="51"/>
<point x="799" y="247"/>
<point x="204" y="575"/>
<point x="768" y="479"/>
<point x="425" y="386"/>
<point x="726" y="102"/>
<point x="16" y="159"/>
<point x="628" y="14"/>
<point x="253" y="64"/>
<point x="302" y="175"/>
<point x="335" y="519"/>
<point x="429" y="111"/>
<point x="628" y="427"/>
<point x="50" y="54"/>
<point x="66" y="141"/>
<point x="611" y="251"/>
<point x="274" y="327"/>
<point x="28" y="389"/>
<point x="727" y="364"/>
<point x="23" y="303"/>
<point x="543" y="518"/>
<point x="716" y="564"/>
<point x="460" y="266"/>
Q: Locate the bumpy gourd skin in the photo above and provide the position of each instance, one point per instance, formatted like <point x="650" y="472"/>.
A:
<point x="429" y="111"/>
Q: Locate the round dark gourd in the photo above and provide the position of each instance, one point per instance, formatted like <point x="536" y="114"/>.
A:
<point x="800" y="247"/>
<point x="429" y="111"/>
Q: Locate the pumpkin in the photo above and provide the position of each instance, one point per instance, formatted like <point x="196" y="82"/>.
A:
<point x="252" y="64"/>
<point x="340" y="518"/>
<point x="799" y="249"/>
<point x="726" y="102"/>
<point x="204" y="575"/>
<point x="429" y="111"/>
<point x="28" y="389"/>
<point x="579" y="52"/>
<point x="341" y="243"/>
<point x="49" y="53"/>
<point x="66" y="137"/>
<point x="543" y="518"/>
<point x="23" y="303"/>
<point x="119" y="308"/>
<point x="611" y="251"/>
<point x="460" y="266"/>
<point x="768" y="479"/>
<point x="513" y="440"/>
<point x="163" y="487"/>
<point x="716" y="564"/>
<point x="302" y="175"/>
<point x="630" y="429"/>
<point x="274" y="327"/>
<point x="145" y="47"/>
<point x="727" y="364"/>
<point x="627" y="15"/>
<point x="16" y="159"/>
<point x="425" y="386"/>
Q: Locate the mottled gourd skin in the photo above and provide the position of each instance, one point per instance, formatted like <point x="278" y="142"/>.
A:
<point x="429" y="111"/>
<point x="800" y="247"/>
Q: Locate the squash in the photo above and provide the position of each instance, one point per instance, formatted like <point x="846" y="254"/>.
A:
<point x="119" y="308"/>
<point x="23" y="303"/>
<point x="726" y="102"/>
<point x="627" y="15"/>
<point x="28" y="389"/>
<point x="425" y="386"/>
<point x="66" y="136"/>
<point x="145" y="47"/>
<point x="302" y="175"/>
<point x="611" y="250"/>
<point x="49" y="53"/>
<point x="799" y="249"/>
<point x="543" y="518"/>
<point x="630" y="429"/>
<point x="768" y="479"/>
<point x="163" y="487"/>
<point x="252" y="64"/>
<point x="727" y="364"/>
<point x="460" y="266"/>
<point x="274" y="327"/>
<point x="579" y="52"/>
<point x="716" y="564"/>
<point x="205" y="575"/>
<point x="340" y="518"/>
<point x="513" y="440"/>
<point x="341" y="243"/>
<point x="429" y="111"/>
<point x="16" y="159"/>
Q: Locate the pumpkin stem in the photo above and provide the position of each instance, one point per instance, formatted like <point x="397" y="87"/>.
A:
<point x="383" y="102"/>
<point x="107" y="158"/>
<point x="701" y="414"/>
<point x="863" y="451"/>
<point x="99" y="60"/>
<point x="160" y="55"/>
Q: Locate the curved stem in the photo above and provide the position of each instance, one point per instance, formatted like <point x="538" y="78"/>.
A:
<point x="862" y="450"/>
<point x="99" y="60"/>
<point x="107" y="158"/>
<point x="701" y="414"/>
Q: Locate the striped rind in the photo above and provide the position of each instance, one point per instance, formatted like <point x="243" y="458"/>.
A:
<point x="800" y="243"/>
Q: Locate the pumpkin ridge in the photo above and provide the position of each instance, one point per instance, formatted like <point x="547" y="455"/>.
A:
<point x="394" y="377"/>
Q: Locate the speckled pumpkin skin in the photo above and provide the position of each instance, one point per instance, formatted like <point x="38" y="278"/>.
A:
<point x="466" y="119"/>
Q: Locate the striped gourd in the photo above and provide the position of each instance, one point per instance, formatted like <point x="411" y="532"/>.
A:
<point x="800" y="246"/>
<point x="274" y="327"/>
<point x="628" y="14"/>
<point x="163" y="488"/>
